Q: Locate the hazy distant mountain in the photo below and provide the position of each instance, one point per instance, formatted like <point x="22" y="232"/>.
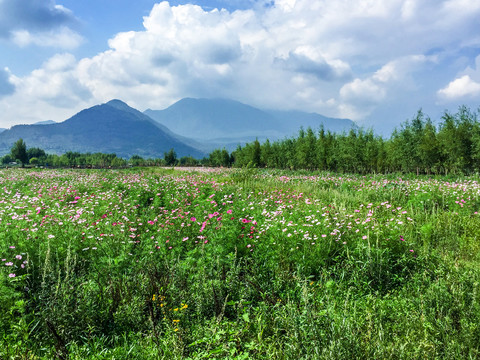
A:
<point x="207" y="119"/>
<point x="293" y="120"/>
<point x="2" y="130"/>
<point x="45" y="122"/>
<point x="113" y="127"/>
<point x="221" y="121"/>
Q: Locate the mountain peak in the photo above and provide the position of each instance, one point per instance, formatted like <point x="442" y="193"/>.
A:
<point x="118" y="104"/>
<point x="113" y="127"/>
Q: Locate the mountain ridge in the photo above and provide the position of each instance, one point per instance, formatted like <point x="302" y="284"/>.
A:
<point x="113" y="127"/>
<point x="217" y="119"/>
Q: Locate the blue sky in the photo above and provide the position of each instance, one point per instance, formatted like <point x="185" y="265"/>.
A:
<point x="374" y="61"/>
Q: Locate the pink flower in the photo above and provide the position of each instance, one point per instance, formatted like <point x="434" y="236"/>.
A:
<point x="193" y="219"/>
<point x="229" y="211"/>
<point x="11" y="275"/>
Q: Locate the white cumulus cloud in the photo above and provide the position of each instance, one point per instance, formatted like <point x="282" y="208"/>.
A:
<point x="460" y="88"/>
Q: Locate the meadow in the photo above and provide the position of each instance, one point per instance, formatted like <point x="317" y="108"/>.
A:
<point x="238" y="264"/>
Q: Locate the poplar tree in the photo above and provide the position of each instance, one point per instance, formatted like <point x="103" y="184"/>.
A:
<point x="19" y="152"/>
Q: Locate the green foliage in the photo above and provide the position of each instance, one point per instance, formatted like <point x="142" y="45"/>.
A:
<point x="219" y="158"/>
<point x="170" y="157"/>
<point x="19" y="151"/>
<point x="7" y="159"/>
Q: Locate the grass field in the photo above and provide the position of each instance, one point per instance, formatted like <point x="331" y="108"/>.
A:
<point x="239" y="264"/>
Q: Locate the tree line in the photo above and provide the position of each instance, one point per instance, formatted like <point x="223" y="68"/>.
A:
<point x="418" y="146"/>
<point x="34" y="156"/>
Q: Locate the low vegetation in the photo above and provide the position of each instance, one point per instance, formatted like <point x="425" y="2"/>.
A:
<point x="239" y="264"/>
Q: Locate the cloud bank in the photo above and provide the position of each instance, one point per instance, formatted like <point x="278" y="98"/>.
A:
<point x="342" y="58"/>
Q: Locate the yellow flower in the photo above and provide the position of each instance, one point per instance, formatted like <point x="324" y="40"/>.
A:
<point x="176" y="321"/>
<point x="176" y="309"/>
<point x="184" y="306"/>
<point x="153" y="298"/>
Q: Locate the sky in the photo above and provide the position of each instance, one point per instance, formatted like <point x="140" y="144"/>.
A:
<point x="376" y="62"/>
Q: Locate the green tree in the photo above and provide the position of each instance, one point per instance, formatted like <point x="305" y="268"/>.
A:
<point x="19" y="152"/>
<point x="219" y="158"/>
<point x="188" y="161"/>
<point x="429" y="147"/>
<point x="7" y="159"/>
<point x="36" y="152"/>
<point x="136" y="160"/>
<point x="170" y="157"/>
<point x="257" y="154"/>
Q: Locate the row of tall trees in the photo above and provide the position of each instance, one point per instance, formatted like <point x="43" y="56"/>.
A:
<point x="419" y="146"/>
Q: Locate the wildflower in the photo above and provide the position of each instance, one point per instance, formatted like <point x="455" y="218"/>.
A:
<point x="11" y="275"/>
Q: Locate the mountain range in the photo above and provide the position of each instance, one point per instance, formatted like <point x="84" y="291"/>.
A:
<point x="193" y="127"/>
<point x="227" y="123"/>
